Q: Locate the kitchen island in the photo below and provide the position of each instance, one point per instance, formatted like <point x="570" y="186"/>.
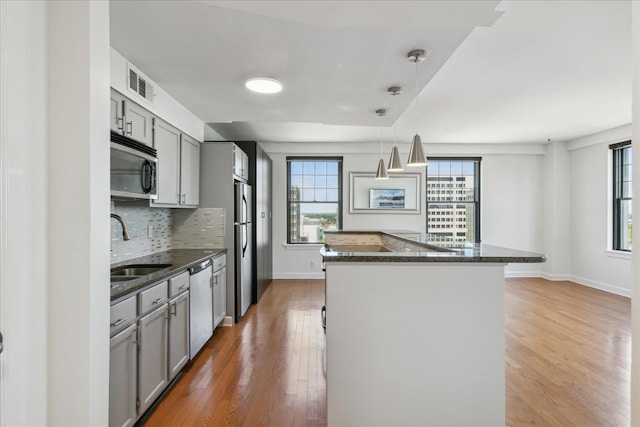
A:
<point x="415" y="329"/>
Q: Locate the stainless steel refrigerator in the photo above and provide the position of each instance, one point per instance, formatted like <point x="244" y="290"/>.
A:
<point x="243" y="233"/>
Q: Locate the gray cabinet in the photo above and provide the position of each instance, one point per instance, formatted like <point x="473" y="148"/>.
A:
<point x="219" y="289"/>
<point x="189" y="171"/>
<point x="178" y="333"/>
<point x="123" y="364"/>
<point x="153" y="337"/>
<point x="123" y="378"/>
<point x="130" y="119"/>
<point x="166" y="141"/>
<point x="240" y="163"/>
<point x="178" y="167"/>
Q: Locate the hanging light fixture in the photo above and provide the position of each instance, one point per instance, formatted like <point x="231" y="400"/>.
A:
<point x="416" y="155"/>
<point x="395" y="164"/>
<point x="382" y="169"/>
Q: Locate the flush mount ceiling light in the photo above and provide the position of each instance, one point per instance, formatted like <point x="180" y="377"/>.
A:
<point x="395" y="164"/>
<point x="263" y="85"/>
<point x="382" y="169"/>
<point x="416" y="155"/>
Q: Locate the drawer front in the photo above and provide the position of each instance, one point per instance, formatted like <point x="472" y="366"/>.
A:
<point x="219" y="262"/>
<point x="123" y="314"/>
<point x="153" y="297"/>
<point x="178" y="284"/>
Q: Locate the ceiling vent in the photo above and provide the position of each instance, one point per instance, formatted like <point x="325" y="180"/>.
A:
<point x="140" y="85"/>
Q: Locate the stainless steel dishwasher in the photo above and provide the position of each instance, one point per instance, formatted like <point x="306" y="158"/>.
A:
<point x="201" y="306"/>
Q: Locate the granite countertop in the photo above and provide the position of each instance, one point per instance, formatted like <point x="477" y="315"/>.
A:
<point x="180" y="260"/>
<point x="424" y="248"/>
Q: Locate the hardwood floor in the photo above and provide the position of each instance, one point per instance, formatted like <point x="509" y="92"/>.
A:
<point x="567" y="361"/>
<point x="568" y="355"/>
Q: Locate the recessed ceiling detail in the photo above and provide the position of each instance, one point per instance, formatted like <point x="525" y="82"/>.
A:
<point x="511" y="71"/>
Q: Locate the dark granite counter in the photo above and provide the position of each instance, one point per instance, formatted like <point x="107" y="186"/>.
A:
<point x="407" y="246"/>
<point x="180" y="260"/>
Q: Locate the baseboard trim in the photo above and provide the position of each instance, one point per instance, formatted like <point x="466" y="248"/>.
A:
<point x="319" y="275"/>
<point x="602" y="286"/>
<point x="227" y="321"/>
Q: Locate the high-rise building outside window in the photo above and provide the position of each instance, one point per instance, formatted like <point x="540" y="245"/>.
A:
<point x="453" y="199"/>
<point x="314" y="198"/>
<point x="622" y="191"/>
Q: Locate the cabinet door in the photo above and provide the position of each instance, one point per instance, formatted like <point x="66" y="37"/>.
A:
<point x="138" y="123"/>
<point x="152" y="356"/>
<point x="219" y="296"/>
<point x="178" y="333"/>
<point x="166" y="140"/>
<point x="123" y="378"/>
<point x="117" y="112"/>
<point x="189" y="171"/>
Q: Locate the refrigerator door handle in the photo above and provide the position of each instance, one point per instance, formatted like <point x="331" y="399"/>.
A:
<point x="245" y="241"/>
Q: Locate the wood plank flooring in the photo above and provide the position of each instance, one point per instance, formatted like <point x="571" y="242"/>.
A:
<point x="567" y="361"/>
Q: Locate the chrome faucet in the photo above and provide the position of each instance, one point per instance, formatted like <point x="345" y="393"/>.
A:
<point x="125" y="232"/>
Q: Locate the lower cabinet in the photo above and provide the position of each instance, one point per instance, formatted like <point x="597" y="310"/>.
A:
<point x="123" y="368"/>
<point x="152" y="356"/>
<point x="178" y="334"/>
<point x="219" y="296"/>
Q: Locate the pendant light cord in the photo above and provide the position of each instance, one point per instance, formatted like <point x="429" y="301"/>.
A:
<point x="417" y="97"/>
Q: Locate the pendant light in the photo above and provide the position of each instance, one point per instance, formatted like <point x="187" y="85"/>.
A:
<point x="382" y="169"/>
<point x="395" y="164"/>
<point x="416" y="155"/>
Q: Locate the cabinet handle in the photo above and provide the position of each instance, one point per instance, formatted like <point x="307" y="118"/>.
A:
<point x="120" y="120"/>
<point x="173" y="309"/>
<point x="183" y="287"/>
<point x="215" y="279"/>
<point x="119" y="322"/>
<point x="184" y="197"/>
<point x="158" y="301"/>
<point x="129" y="128"/>
<point x="1" y="343"/>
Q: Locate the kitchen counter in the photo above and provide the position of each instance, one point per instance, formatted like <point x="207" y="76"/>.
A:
<point x="180" y="260"/>
<point x="415" y="336"/>
<point x="407" y="246"/>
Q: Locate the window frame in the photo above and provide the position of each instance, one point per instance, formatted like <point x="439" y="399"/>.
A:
<point x="617" y="187"/>
<point x="290" y="159"/>
<point x="476" y="190"/>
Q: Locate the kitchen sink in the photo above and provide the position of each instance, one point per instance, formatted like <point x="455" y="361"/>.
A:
<point x="136" y="270"/>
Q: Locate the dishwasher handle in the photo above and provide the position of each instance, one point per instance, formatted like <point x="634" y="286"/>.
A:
<point x="199" y="267"/>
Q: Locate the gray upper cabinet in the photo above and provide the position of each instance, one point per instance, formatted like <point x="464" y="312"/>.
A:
<point x="189" y="171"/>
<point x="116" y="118"/>
<point x="178" y="167"/>
<point x="167" y="142"/>
<point x="130" y="119"/>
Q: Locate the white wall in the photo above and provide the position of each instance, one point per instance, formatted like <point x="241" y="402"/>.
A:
<point x="592" y="263"/>
<point x="163" y="106"/>
<point x="510" y="199"/>
<point x="78" y="214"/>
<point x="23" y="213"/>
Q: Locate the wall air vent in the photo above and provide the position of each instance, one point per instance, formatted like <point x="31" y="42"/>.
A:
<point x="140" y="85"/>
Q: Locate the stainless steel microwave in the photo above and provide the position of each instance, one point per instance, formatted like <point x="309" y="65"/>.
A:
<point x="133" y="169"/>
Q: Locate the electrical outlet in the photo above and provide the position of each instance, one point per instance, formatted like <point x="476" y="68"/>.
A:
<point x="312" y="263"/>
<point x="150" y="231"/>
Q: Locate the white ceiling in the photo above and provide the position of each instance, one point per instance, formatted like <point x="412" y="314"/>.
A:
<point x="511" y="71"/>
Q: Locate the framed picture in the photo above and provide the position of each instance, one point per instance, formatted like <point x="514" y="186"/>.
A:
<point x="386" y="198"/>
<point x="400" y="194"/>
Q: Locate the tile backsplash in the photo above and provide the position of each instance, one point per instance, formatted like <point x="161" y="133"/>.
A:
<point x="171" y="229"/>
<point x="198" y="228"/>
<point x="138" y="219"/>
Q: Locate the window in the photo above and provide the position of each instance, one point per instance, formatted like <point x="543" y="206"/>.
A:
<point x="314" y="198"/>
<point x="458" y="205"/>
<point x="622" y="191"/>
